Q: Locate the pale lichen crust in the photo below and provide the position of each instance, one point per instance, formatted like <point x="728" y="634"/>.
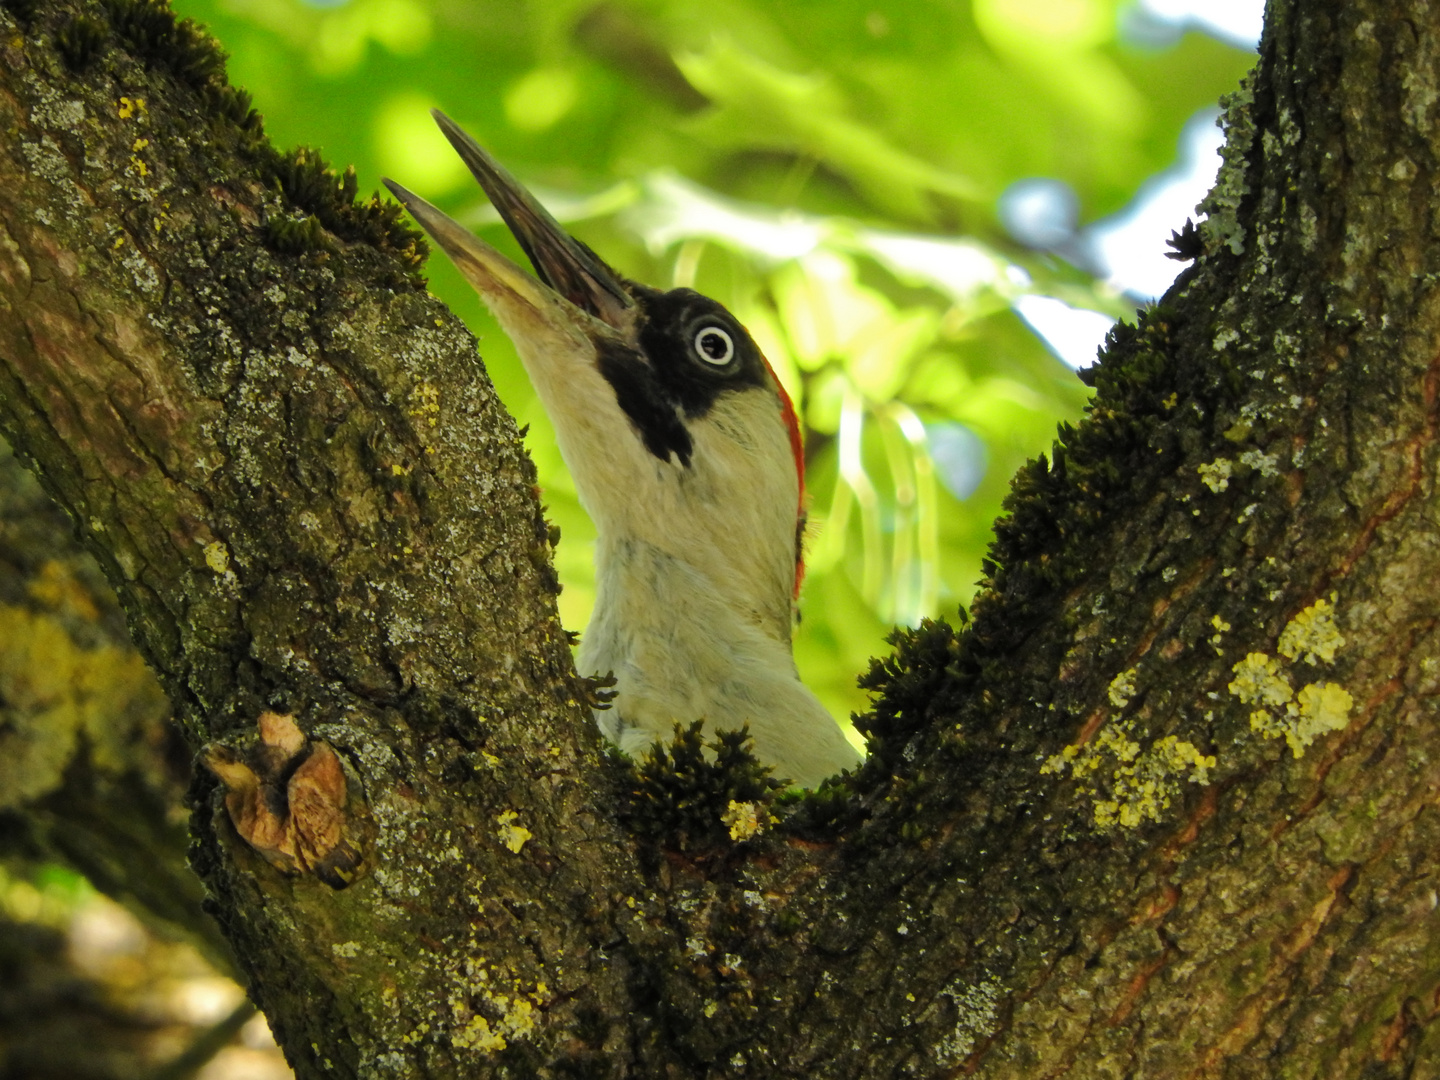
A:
<point x="977" y="1013"/>
<point x="1221" y="226"/>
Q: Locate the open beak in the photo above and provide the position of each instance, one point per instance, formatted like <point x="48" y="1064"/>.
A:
<point x="566" y="268"/>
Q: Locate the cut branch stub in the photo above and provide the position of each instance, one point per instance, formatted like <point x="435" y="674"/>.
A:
<point x="288" y="799"/>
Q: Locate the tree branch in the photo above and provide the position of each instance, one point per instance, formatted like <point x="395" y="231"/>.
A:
<point x="289" y="461"/>
<point x="92" y="771"/>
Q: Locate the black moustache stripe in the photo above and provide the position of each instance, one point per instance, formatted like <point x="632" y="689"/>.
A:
<point x="643" y="400"/>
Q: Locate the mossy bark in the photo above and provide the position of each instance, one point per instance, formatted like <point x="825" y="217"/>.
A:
<point x="301" y="486"/>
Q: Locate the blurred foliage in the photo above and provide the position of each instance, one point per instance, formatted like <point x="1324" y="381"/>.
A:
<point x="87" y="992"/>
<point x="860" y="146"/>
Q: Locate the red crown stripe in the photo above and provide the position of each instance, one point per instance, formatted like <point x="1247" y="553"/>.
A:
<point x="797" y="450"/>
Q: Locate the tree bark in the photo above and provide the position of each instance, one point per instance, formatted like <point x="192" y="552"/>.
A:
<point x="1163" y="807"/>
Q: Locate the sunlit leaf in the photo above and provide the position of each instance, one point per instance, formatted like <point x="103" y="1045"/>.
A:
<point x="758" y="106"/>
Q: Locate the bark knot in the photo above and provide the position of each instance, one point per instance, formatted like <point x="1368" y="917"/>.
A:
<point x="288" y="798"/>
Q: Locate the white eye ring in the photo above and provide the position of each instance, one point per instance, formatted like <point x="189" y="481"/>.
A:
<point x="714" y="345"/>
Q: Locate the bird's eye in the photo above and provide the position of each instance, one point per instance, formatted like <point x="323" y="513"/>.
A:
<point x="714" y="346"/>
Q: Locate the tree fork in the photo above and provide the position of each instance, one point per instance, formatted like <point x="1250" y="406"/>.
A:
<point x="1164" y="807"/>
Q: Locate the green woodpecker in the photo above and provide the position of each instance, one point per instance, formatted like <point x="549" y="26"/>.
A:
<point x="685" y="452"/>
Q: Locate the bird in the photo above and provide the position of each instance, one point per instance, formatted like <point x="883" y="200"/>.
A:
<point x="686" y="453"/>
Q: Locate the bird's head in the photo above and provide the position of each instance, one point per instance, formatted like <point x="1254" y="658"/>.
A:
<point x="673" y="424"/>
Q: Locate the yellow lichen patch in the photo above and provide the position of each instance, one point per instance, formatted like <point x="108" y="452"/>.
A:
<point x="1312" y="635"/>
<point x="1318" y="708"/>
<point x="217" y="557"/>
<point x="1216" y="475"/>
<point x="1326" y="705"/>
<point x="1258" y="681"/>
<point x="511" y="835"/>
<point x="1122" y="688"/>
<point x="1265" y="723"/>
<point x="519" y="1018"/>
<point x="1128" y="785"/>
<point x="131" y="107"/>
<point x="513" y="1015"/>
<point x="1142" y="791"/>
<point x="1177" y="755"/>
<point x="1112" y="743"/>
<point x="742" y="819"/>
<point x="426" y="403"/>
<point x="1057" y="763"/>
<point x="1221" y="629"/>
<point x="54" y="693"/>
<point x="476" y="1035"/>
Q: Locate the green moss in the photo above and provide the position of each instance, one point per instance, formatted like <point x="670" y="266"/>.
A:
<point x="296" y="236"/>
<point x="924" y="677"/>
<point x="79" y="41"/>
<point x="822" y="813"/>
<point x="1054" y="504"/>
<point x="304" y="178"/>
<point x="1187" y="244"/>
<point x="183" y="48"/>
<point x="1134" y="429"/>
<point x="234" y="105"/>
<point x="150" y="28"/>
<point x="682" y="798"/>
<point x="540" y="559"/>
<point x="788" y="922"/>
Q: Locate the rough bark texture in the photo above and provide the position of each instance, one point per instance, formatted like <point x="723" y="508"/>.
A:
<point x="1165" y="807"/>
